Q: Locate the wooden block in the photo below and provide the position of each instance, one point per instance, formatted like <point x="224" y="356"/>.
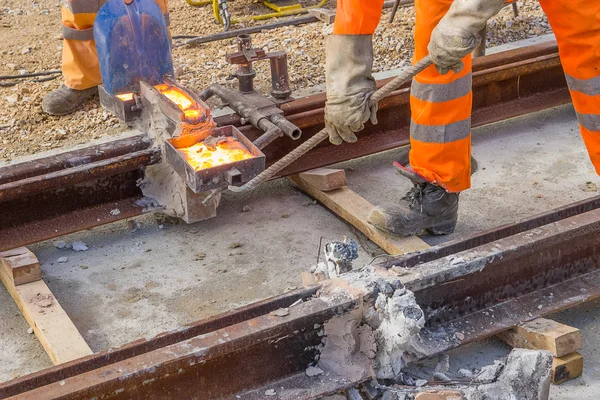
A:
<point x="567" y="367"/>
<point x="544" y="334"/>
<point x="308" y="279"/>
<point x="20" y="265"/>
<point x="50" y="323"/>
<point x="323" y="14"/>
<point x="355" y="209"/>
<point x="439" y="395"/>
<point x="325" y="179"/>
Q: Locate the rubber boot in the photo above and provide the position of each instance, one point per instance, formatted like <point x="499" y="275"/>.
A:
<point x="65" y="100"/>
<point x="426" y="207"/>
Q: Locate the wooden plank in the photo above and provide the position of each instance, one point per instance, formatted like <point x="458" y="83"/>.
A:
<point x="544" y="334"/>
<point x="566" y="368"/>
<point x="355" y="209"/>
<point x="325" y="179"/>
<point x="50" y="323"/>
<point x="20" y="265"/>
<point x="439" y="395"/>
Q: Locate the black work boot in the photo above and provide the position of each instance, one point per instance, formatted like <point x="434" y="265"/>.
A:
<point x="425" y="207"/>
<point x="65" y="100"/>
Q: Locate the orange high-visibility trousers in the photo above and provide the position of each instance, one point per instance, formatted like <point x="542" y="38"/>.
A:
<point x="440" y="129"/>
<point x="79" y="58"/>
<point x="576" y="24"/>
<point x="441" y="104"/>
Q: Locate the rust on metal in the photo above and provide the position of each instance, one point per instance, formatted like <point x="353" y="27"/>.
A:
<point x="505" y="85"/>
<point x="256" y="351"/>
<point x="518" y="275"/>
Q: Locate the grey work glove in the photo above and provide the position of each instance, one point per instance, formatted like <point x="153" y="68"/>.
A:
<point x="349" y="61"/>
<point x="457" y="33"/>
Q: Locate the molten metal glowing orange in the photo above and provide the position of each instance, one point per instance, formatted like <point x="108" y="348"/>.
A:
<point x="125" y="96"/>
<point x="201" y="157"/>
<point x="177" y="96"/>
<point x="193" y="113"/>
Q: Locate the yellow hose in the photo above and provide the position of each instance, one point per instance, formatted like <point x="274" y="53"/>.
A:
<point x="284" y="13"/>
<point x="198" y="3"/>
<point x="262" y="17"/>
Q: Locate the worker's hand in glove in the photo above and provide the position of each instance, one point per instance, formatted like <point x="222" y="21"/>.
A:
<point x="349" y="60"/>
<point x="457" y="33"/>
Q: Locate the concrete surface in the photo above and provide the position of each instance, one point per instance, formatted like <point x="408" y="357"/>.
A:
<point x="137" y="284"/>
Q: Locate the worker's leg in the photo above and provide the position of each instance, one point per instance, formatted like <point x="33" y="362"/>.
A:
<point x="576" y="24"/>
<point x="440" y="139"/>
<point x="441" y="111"/>
<point x="80" y="67"/>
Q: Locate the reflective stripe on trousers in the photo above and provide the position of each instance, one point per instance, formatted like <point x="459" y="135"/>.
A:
<point x="576" y="24"/>
<point x="440" y="110"/>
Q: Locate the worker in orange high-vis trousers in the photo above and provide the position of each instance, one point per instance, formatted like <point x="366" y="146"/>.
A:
<point x="80" y="67"/>
<point x="441" y="97"/>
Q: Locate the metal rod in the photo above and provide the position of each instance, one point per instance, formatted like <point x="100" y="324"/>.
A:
<point x="254" y="29"/>
<point x="30" y="75"/>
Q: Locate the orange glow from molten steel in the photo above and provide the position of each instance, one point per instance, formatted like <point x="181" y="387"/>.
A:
<point x="125" y="96"/>
<point x="192" y="113"/>
<point x="177" y="96"/>
<point x="200" y="157"/>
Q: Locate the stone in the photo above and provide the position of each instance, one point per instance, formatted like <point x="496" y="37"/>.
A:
<point x="62" y="260"/>
<point x="79" y="246"/>
<point x="313" y="371"/>
<point x="354" y="394"/>
<point x="270" y="392"/>
<point x="12" y="99"/>
<point x="465" y="373"/>
<point x="525" y="375"/>
<point x="60" y="244"/>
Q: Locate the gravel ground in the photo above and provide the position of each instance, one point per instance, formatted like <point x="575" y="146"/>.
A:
<point x="30" y="41"/>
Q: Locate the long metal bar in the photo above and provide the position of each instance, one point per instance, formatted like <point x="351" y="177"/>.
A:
<point x="215" y="364"/>
<point x="484" y="290"/>
<point x="505" y="85"/>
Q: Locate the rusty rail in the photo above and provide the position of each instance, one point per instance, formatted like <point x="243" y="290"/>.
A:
<point x="76" y="190"/>
<point x="488" y="287"/>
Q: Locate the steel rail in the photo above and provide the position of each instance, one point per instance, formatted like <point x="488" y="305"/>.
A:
<point x="465" y="296"/>
<point x="40" y="199"/>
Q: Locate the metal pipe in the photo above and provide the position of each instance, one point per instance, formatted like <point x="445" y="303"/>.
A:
<point x="280" y="80"/>
<point x="291" y="130"/>
<point x="245" y="73"/>
<point x="251" y="114"/>
<point x="266" y="138"/>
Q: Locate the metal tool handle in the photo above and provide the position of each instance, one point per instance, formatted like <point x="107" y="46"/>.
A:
<point x="299" y="151"/>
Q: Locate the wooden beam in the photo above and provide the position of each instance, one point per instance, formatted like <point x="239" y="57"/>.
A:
<point x="325" y="179"/>
<point x="20" y="265"/>
<point x="544" y="334"/>
<point x="50" y="323"/>
<point x="354" y="209"/>
<point x="566" y="368"/>
<point x="439" y="395"/>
